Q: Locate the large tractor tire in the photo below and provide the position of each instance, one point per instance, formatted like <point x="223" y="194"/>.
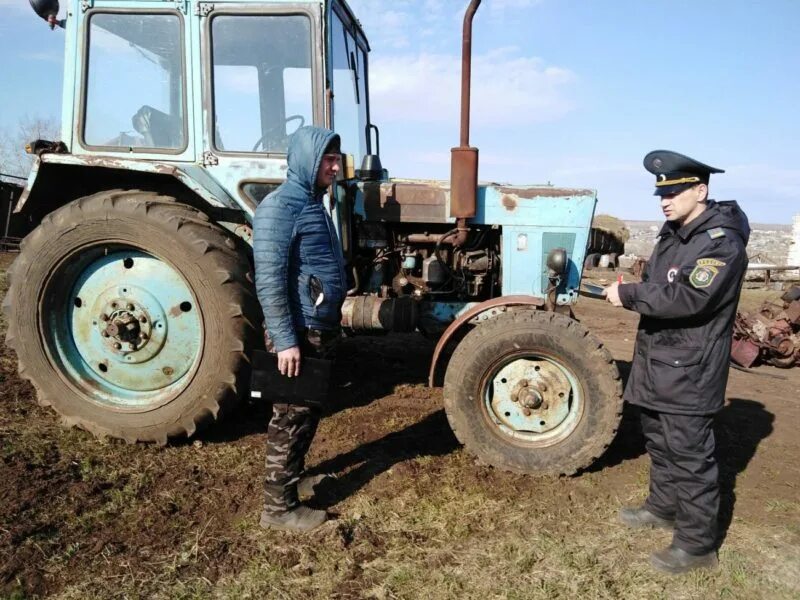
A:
<point x="533" y="392"/>
<point x="131" y="314"/>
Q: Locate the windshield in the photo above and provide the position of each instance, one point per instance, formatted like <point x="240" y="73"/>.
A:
<point x="134" y="82"/>
<point x="262" y="81"/>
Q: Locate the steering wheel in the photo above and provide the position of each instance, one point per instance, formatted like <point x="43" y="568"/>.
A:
<point x="271" y="131"/>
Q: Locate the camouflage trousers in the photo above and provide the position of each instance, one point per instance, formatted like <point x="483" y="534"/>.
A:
<point x="291" y="431"/>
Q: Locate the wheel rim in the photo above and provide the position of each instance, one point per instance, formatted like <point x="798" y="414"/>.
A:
<point x="129" y="335"/>
<point x="533" y="399"/>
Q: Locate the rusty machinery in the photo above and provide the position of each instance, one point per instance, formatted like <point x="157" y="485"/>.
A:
<point x="769" y="335"/>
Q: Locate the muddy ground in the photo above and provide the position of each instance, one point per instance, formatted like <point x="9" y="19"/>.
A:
<point x="415" y="516"/>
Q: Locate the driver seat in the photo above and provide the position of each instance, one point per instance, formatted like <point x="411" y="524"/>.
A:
<point x="158" y="129"/>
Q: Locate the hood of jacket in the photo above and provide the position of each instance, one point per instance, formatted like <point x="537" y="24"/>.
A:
<point x="726" y="215"/>
<point x="306" y="147"/>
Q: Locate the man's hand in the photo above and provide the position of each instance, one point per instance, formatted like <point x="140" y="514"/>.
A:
<point x="289" y="361"/>
<point x="612" y="294"/>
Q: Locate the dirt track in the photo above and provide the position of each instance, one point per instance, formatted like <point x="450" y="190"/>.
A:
<point x="82" y="518"/>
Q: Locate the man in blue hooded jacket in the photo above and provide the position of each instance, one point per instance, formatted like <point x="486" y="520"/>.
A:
<point x="301" y="285"/>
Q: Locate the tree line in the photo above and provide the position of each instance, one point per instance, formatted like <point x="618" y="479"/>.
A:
<point x="14" y="161"/>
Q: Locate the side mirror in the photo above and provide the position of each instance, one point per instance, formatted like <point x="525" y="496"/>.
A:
<point x="47" y="9"/>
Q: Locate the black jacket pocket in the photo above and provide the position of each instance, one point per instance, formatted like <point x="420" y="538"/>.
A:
<point x="674" y="375"/>
<point x="676" y="357"/>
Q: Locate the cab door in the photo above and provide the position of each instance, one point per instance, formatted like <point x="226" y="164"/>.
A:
<point x="262" y="79"/>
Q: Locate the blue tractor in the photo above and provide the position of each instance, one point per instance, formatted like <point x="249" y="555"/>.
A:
<point x="131" y="305"/>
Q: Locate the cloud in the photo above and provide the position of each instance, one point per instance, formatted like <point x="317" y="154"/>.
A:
<point x="507" y="88"/>
<point x="501" y="5"/>
<point x="394" y="26"/>
<point x="407" y="21"/>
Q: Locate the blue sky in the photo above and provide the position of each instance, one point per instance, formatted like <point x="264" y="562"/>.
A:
<point x="564" y="91"/>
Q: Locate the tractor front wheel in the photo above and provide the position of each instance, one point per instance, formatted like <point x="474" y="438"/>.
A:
<point x="533" y="392"/>
<point x="131" y="314"/>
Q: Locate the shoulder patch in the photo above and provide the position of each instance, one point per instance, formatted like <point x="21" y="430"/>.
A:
<point x="709" y="262"/>
<point x="701" y="277"/>
<point x="715" y="233"/>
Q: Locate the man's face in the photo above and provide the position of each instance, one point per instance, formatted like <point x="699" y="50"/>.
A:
<point x="684" y="206"/>
<point x="329" y="166"/>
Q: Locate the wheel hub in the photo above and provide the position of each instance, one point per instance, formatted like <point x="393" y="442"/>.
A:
<point x="530" y="396"/>
<point x="141" y="333"/>
<point x="125" y="330"/>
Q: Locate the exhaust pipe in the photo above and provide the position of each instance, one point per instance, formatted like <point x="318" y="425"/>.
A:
<point x="464" y="158"/>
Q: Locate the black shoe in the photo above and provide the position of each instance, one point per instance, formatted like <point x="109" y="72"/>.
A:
<point x="673" y="560"/>
<point x="640" y="517"/>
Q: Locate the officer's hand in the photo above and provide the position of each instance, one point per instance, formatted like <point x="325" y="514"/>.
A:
<point x="612" y="294"/>
<point x="289" y="361"/>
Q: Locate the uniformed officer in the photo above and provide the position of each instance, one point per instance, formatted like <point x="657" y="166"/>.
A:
<point x="687" y="301"/>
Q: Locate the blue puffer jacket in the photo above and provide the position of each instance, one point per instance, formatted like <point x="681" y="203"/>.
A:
<point x="297" y="253"/>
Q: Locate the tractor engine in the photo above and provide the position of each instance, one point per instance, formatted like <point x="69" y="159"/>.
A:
<point x="396" y="260"/>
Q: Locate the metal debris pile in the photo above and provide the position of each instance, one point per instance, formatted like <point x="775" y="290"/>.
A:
<point x="770" y="335"/>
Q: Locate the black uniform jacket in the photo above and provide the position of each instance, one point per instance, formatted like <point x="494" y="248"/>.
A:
<point x="687" y="299"/>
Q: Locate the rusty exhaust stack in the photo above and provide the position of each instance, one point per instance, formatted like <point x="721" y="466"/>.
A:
<point x="464" y="158"/>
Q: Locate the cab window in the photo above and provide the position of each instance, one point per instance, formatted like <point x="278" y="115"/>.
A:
<point x="349" y="90"/>
<point x="261" y="81"/>
<point x="134" y="82"/>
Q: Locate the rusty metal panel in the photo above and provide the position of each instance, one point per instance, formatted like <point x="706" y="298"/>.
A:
<point x="463" y="182"/>
<point x="405" y="202"/>
<point x="512" y="194"/>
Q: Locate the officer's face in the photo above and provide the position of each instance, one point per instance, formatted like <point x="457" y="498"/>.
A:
<point x="684" y="206"/>
<point x="328" y="168"/>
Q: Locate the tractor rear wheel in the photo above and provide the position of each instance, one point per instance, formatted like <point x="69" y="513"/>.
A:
<point x="131" y="314"/>
<point x="533" y="392"/>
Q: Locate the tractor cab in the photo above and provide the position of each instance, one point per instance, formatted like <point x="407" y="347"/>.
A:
<point x="222" y="85"/>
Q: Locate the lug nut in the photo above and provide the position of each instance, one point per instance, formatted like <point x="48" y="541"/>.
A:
<point x="143" y="336"/>
<point x="131" y="307"/>
<point x="114" y="305"/>
<point x="142" y="319"/>
<point x="104" y="317"/>
<point x="526" y="412"/>
<point x="118" y="346"/>
<point x="105" y="334"/>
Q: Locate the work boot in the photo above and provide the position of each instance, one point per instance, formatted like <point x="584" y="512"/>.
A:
<point x="639" y="517"/>
<point x="300" y="518"/>
<point x="307" y="484"/>
<point x="674" y="560"/>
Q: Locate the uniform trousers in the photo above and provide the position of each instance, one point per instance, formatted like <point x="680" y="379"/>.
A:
<point x="291" y="431"/>
<point x="683" y="477"/>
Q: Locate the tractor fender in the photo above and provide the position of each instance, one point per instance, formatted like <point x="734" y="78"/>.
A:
<point x="190" y="175"/>
<point x="489" y="305"/>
